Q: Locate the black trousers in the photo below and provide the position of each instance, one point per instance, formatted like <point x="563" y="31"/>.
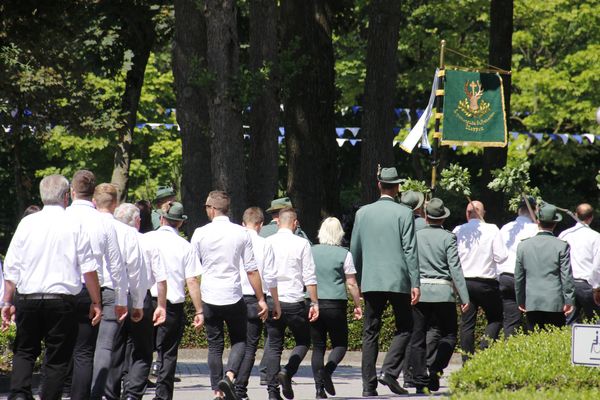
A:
<point x="253" y="331"/>
<point x="543" y="319"/>
<point x="512" y="316"/>
<point x="484" y="293"/>
<point x="215" y="317"/>
<point x="53" y="321"/>
<point x="131" y="368"/>
<point x="444" y="315"/>
<point x="375" y="304"/>
<point x="584" y="307"/>
<point x="432" y="340"/>
<point x="332" y="322"/>
<point x="168" y="337"/>
<point x="82" y="363"/>
<point x="295" y="317"/>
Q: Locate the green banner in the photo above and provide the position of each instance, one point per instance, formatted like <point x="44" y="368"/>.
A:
<point x="473" y="109"/>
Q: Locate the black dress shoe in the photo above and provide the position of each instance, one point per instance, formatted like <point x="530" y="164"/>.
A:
<point x="274" y="396"/>
<point x="327" y="382"/>
<point x="226" y="386"/>
<point x="409" y="384"/>
<point x="321" y="393"/>
<point x="369" y="393"/>
<point x="286" y="385"/>
<point x="392" y="383"/>
<point x="434" y="382"/>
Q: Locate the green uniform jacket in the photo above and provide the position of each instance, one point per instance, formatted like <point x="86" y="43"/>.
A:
<point x="543" y="277"/>
<point x="438" y="260"/>
<point x="384" y="247"/>
<point x="155" y="216"/>
<point x="271" y="229"/>
<point x="419" y="223"/>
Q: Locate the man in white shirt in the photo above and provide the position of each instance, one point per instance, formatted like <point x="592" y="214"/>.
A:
<point x="221" y="245"/>
<point x="512" y="234"/>
<point x="46" y="258"/>
<point x="105" y="248"/>
<point x="295" y="271"/>
<point x="253" y="219"/>
<point x="105" y="198"/>
<point x="183" y="268"/>
<point x="480" y="250"/>
<point x="136" y="338"/>
<point x="585" y="263"/>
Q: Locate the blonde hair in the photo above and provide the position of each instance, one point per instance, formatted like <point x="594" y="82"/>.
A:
<point x="105" y="195"/>
<point x="331" y="232"/>
<point x="253" y="216"/>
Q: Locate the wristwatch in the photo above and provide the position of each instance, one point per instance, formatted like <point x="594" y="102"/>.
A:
<point x="314" y="303"/>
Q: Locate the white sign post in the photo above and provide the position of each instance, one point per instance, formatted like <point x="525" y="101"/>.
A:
<point x="585" y="345"/>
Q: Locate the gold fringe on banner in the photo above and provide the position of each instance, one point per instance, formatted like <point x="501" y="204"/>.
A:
<point x="441" y="73"/>
<point x="439" y="92"/>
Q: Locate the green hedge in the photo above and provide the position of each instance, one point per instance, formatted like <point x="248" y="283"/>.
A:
<point x="530" y="394"/>
<point x="539" y="364"/>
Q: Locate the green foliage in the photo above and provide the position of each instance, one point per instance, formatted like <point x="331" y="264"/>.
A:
<point x="456" y="179"/>
<point x="540" y="360"/>
<point x="598" y="180"/>
<point x="533" y="394"/>
<point x="414" y="185"/>
<point x="514" y="181"/>
<point x="7" y="339"/>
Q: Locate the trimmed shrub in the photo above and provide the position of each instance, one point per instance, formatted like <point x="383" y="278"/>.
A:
<point x="536" y="363"/>
<point x="530" y="394"/>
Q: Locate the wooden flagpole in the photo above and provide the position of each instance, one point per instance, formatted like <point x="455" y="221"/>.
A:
<point x="438" y="116"/>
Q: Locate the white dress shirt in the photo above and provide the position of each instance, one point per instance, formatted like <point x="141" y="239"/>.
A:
<point x="585" y="252"/>
<point x="349" y="267"/>
<point x="105" y="247"/>
<point x="155" y="269"/>
<point x="48" y="254"/>
<point x="512" y="234"/>
<point x="480" y="249"/>
<point x="263" y="254"/>
<point x="135" y="273"/>
<point x="179" y="259"/>
<point x="221" y="246"/>
<point x="294" y="264"/>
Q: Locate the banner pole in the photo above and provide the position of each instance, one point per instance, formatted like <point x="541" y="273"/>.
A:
<point x="438" y="115"/>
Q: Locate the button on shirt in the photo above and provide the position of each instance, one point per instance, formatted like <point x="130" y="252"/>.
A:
<point x="105" y="247"/>
<point x="48" y="253"/>
<point x="585" y="252"/>
<point x="512" y="234"/>
<point x="179" y="259"/>
<point x="480" y="249"/>
<point x="294" y="264"/>
<point x="155" y="269"/>
<point x="265" y="261"/>
<point x="221" y="247"/>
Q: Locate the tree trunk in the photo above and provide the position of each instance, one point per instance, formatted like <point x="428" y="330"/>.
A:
<point x="501" y="29"/>
<point x="227" y="144"/>
<point x="380" y="83"/>
<point x="189" y="56"/>
<point x="264" y="112"/>
<point x="140" y="36"/>
<point x="308" y="117"/>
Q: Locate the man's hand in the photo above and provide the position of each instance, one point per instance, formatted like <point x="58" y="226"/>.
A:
<point x="159" y="316"/>
<point x="198" y="320"/>
<point x="567" y="309"/>
<point x="8" y="315"/>
<point x="415" y="295"/>
<point x="95" y="313"/>
<point x="358" y="313"/>
<point x="522" y="308"/>
<point x="464" y="308"/>
<point x="313" y="313"/>
<point x="121" y="313"/>
<point x="276" y="312"/>
<point x="263" y="310"/>
<point x="137" y="314"/>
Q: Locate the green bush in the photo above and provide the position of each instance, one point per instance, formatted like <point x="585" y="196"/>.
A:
<point x="6" y="355"/>
<point x="530" y="394"/>
<point x="540" y="361"/>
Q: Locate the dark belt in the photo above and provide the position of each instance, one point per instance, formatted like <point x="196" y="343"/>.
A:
<point x="482" y="280"/>
<point x="45" y="296"/>
<point x="507" y="274"/>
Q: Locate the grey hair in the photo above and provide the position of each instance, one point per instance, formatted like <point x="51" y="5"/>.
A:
<point x="331" y="232"/>
<point x="128" y="214"/>
<point x="53" y="189"/>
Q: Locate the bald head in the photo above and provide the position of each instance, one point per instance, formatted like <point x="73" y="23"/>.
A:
<point x="475" y="210"/>
<point x="585" y="212"/>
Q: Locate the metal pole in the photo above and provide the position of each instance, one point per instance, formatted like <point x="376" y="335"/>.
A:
<point x="438" y="115"/>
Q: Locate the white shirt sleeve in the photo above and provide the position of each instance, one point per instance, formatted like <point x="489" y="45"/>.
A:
<point x="85" y="255"/>
<point x="269" y="270"/>
<point x="192" y="264"/>
<point x="12" y="261"/>
<point x="595" y="277"/>
<point x="349" y="264"/>
<point x="158" y="268"/>
<point x="135" y="271"/>
<point x="116" y="265"/>
<point x="248" y="254"/>
<point x="500" y="254"/>
<point x="308" y="266"/>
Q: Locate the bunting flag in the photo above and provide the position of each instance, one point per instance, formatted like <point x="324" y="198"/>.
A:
<point x="473" y="109"/>
<point x="419" y="131"/>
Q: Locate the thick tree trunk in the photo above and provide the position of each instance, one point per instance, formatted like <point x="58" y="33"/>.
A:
<point x="308" y="117"/>
<point x="264" y="151"/>
<point x="140" y="36"/>
<point x="380" y="83"/>
<point x="501" y="29"/>
<point x="189" y="56"/>
<point x="227" y="144"/>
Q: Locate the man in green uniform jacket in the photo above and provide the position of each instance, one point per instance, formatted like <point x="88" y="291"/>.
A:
<point x="164" y="194"/>
<point x="441" y="273"/>
<point x="271" y="228"/>
<point x="415" y="201"/>
<point x="543" y="280"/>
<point x="384" y="248"/>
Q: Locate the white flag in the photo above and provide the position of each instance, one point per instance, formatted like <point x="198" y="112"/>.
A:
<point x="419" y="131"/>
